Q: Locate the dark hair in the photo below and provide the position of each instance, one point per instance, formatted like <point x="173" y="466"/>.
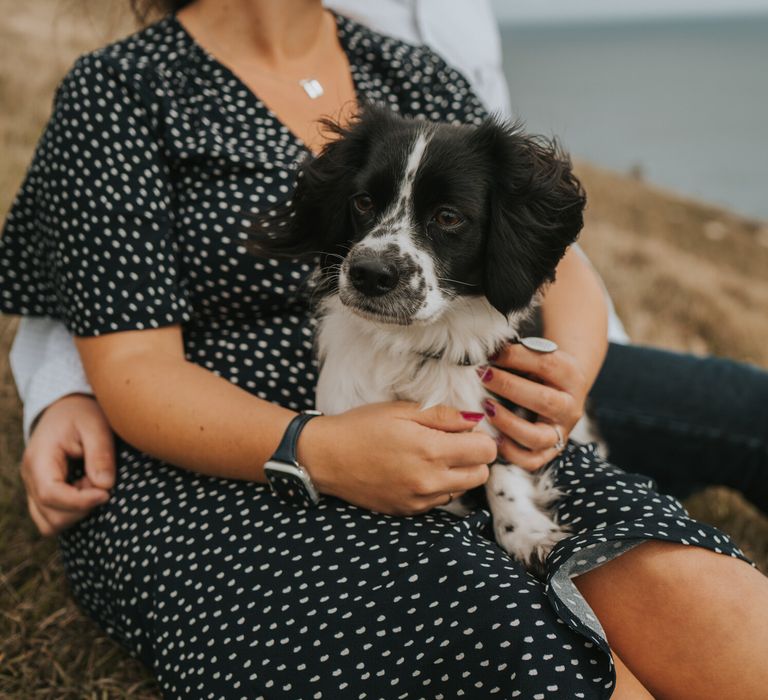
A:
<point x="145" y="9"/>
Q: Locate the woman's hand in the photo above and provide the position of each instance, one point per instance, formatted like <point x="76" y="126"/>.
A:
<point x="552" y="385"/>
<point x="72" y="427"/>
<point x="396" y="458"/>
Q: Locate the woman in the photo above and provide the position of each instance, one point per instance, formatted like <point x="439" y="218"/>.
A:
<point x="707" y="415"/>
<point x="128" y="227"/>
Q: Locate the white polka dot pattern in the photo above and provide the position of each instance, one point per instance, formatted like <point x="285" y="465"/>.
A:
<point x="131" y="217"/>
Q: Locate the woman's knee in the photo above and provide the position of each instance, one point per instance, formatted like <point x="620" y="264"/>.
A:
<point x="627" y="685"/>
<point x="656" y="566"/>
<point x="688" y="569"/>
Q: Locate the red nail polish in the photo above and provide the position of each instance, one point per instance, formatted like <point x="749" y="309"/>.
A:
<point x="494" y="356"/>
<point x="485" y="373"/>
<point x="490" y="409"/>
<point x="469" y="415"/>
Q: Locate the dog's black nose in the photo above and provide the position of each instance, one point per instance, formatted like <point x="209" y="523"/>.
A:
<point x="373" y="277"/>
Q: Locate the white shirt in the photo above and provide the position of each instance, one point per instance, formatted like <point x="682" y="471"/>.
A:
<point x="463" y="32"/>
<point x="44" y="360"/>
<point x="45" y="366"/>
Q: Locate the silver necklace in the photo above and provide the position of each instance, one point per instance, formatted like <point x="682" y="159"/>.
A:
<point x="312" y="87"/>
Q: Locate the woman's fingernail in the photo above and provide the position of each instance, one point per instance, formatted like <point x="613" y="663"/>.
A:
<point x="494" y="356"/>
<point x="485" y="373"/>
<point x="489" y="408"/>
<point x="469" y="415"/>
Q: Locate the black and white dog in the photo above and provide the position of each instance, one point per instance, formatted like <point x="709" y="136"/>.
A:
<point x="435" y="241"/>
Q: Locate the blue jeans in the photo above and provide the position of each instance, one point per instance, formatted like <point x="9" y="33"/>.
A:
<point x="685" y="421"/>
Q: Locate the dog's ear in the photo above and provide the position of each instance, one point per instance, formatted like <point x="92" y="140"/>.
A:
<point x="317" y="219"/>
<point x="536" y="211"/>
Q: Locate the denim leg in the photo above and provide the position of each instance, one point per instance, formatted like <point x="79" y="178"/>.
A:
<point x="687" y="422"/>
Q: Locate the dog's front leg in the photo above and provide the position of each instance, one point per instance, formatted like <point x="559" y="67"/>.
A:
<point x="520" y="503"/>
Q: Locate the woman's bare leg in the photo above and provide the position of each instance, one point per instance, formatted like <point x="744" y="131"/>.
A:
<point x="687" y="622"/>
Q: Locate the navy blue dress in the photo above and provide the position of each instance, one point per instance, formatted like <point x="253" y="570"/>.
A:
<point x="132" y="217"/>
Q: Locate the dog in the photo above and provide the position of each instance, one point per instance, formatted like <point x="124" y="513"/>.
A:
<point x="434" y="242"/>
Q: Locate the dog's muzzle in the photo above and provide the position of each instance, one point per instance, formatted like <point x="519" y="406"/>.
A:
<point x="373" y="276"/>
<point x="384" y="284"/>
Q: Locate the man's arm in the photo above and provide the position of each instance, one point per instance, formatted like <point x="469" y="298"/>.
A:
<point x="69" y="424"/>
<point x="46" y="367"/>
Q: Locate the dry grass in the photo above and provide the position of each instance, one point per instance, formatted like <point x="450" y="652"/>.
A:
<point x="683" y="275"/>
<point x="48" y="649"/>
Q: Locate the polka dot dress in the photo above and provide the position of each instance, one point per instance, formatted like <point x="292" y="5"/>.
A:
<point x="132" y="217"/>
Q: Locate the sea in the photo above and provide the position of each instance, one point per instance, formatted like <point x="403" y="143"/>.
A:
<point x="681" y="103"/>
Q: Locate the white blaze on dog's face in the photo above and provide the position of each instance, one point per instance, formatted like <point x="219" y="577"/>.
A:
<point x="386" y="275"/>
<point x="409" y="216"/>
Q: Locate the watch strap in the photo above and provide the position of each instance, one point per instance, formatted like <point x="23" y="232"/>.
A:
<point x="286" y="450"/>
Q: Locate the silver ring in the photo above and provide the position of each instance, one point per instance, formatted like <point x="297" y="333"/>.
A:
<point x="559" y="445"/>
<point x="539" y="344"/>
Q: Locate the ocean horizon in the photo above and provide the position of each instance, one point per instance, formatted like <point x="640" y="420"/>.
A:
<point x="682" y="102"/>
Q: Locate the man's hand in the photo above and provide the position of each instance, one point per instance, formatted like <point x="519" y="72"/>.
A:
<point x="72" y="427"/>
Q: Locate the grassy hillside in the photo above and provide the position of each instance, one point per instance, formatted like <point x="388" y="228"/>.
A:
<point x="683" y="275"/>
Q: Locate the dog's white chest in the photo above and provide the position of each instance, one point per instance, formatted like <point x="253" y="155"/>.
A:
<point x="366" y="362"/>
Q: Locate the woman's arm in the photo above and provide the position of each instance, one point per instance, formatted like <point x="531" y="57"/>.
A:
<point x="176" y="410"/>
<point x="392" y="457"/>
<point x="552" y="385"/>
<point x="575" y="314"/>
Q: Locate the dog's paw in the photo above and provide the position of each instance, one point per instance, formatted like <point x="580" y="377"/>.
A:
<point x="532" y="540"/>
<point x="545" y="491"/>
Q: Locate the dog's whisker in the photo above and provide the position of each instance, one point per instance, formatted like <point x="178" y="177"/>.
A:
<point x="323" y="252"/>
<point x="448" y="279"/>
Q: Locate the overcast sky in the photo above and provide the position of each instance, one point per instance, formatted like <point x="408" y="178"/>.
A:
<point x="517" y="10"/>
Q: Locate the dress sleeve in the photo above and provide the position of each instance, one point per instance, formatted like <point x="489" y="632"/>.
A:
<point x="90" y="239"/>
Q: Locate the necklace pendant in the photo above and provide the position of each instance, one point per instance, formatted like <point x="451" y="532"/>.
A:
<point x="312" y="87"/>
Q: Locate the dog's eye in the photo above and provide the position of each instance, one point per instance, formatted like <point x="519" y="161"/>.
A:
<point x="363" y="203"/>
<point x="447" y="218"/>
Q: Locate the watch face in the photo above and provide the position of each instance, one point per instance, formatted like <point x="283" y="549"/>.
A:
<point x="291" y="483"/>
